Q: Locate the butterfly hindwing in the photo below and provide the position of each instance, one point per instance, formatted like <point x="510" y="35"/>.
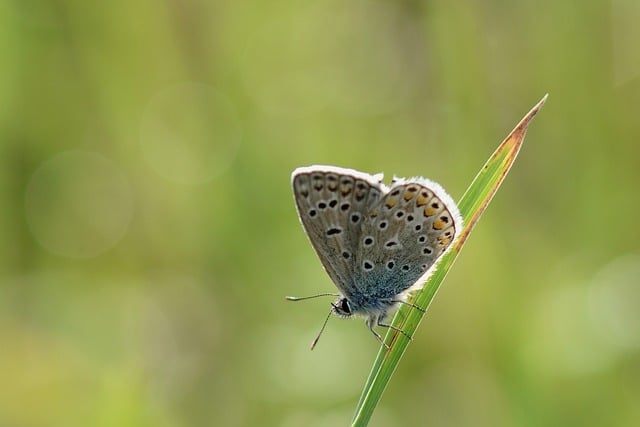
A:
<point x="407" y="231"/>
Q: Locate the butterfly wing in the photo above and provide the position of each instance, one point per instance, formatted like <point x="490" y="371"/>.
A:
<point x="333" y="204"/>
<point x="414" y="223"/>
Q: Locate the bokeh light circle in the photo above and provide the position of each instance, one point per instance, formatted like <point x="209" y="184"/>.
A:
<point x="190" y="133"/>
<point x="613" y="302"/>
<point x="78" y="204"/>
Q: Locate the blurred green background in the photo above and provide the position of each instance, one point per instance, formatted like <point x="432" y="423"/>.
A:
<point x="148" y="234"/>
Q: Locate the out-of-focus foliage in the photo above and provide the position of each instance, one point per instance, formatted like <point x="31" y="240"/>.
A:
<point x="148" y="233"/>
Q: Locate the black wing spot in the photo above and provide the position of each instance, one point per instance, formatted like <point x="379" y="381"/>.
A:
<point x="345" y="207"/>
<point x="418" y="227"/>
<point x="422" y="239"/>
<point x="427" y="251"/>
<point x="355" y="218"/>
<point x="405" y="268"/>
<point x="391" y="243"/>
<point x="399" y="214"/>
<point x="368" y="241"/>
<point x="390" y="265"/>
<point x="367" y="265"/>
<point x="322" y="205"/>
<point x="318" y="185"/>
<point x="313" y="213"/>
<point x="382" y="225"/>
<point x="333" y="231"/>
<point x="346" y="255"/>
<point x="333" y="203"/>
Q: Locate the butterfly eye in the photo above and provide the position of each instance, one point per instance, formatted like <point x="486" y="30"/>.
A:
<point x="344" y="306"/>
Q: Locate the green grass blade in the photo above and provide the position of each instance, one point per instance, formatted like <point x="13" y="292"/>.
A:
<point x="473" y="203"/>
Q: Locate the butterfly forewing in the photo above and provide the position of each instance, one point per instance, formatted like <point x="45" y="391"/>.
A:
<point x="333" y="204"/>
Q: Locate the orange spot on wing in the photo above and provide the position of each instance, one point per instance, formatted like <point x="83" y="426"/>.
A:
<point x="391" y="203"/>
<point x="421" y="201"/>
<point x="429" y="211"/>
<point x="438" y="224"/>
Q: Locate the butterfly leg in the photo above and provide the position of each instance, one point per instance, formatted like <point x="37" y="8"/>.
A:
<point x="371" y="323"/>
<point x="385" y="325"/>
<point x="420" y="309"/>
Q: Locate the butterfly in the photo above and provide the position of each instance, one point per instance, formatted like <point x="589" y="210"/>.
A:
<point x="377" y="243"/>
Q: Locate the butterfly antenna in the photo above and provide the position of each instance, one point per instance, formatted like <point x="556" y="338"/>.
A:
<point x="312" y="296"/>
<point x="315" y="341"/>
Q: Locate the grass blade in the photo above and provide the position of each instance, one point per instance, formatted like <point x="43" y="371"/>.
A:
<point x="473" y="203"/>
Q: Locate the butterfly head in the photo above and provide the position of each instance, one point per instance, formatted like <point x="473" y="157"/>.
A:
<point x="342" y="307"/>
